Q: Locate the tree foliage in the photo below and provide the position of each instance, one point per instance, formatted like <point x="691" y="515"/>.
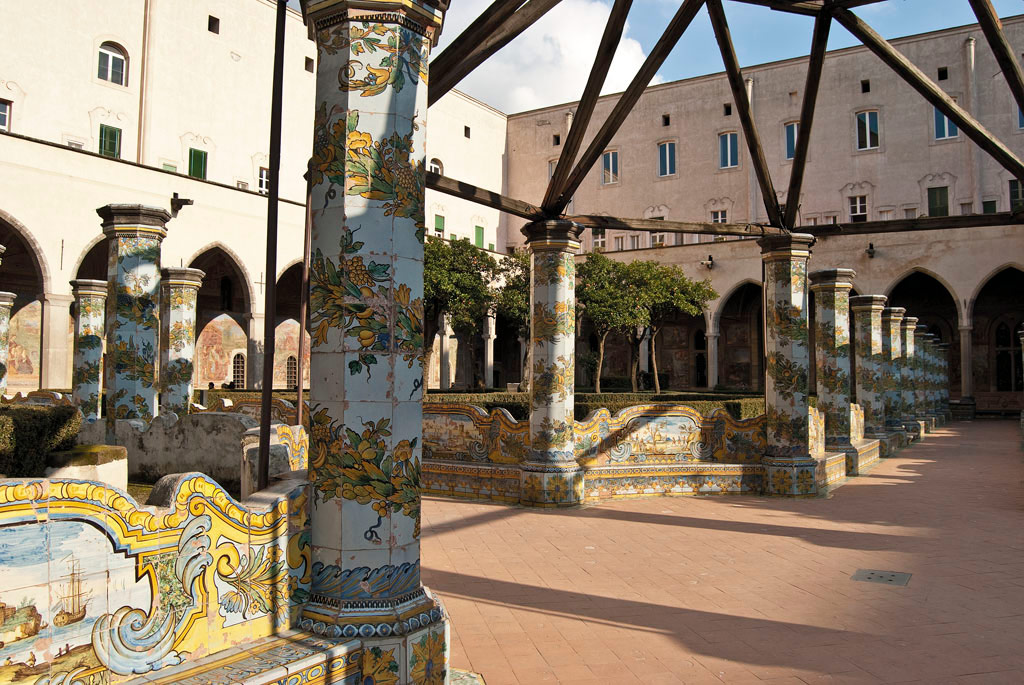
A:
<point x="603" y="296"/>
<point x="512" y="301"/>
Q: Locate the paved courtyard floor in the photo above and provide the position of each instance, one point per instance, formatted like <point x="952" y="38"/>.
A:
<point x="745" y="589"/>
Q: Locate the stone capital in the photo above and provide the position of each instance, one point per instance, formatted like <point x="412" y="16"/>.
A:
<point x="553" y="234"/>
<point x="786" y="246"/>
<point x="88" y="287"/>
<point x="177" y="276"/>
<point x="909" y="323"/>
<point x="134" y="220"/>
<point x="425" y="17"/>
<point x="893" y="314"/>
<point x="7" y="299"/>
<point x="868" y="303"/>
<point x="838" y="279"/>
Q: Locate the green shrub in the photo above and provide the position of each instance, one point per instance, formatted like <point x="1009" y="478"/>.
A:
<point x="28" y="433"/>
<point x="254" y="395"/>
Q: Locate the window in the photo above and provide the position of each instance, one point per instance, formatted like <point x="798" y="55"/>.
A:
<point x="110" y="141"/>
<point x="727" y="109"/>
<point x="665" y="120"/>
<point x="556" y="140"/>
<point x="113" y="65"/>
<point x="242" y="185"/>
<point x="610" y="167"/>
<point x="867" y="130"/>
<point x="490" y="246"/>
<point x="966" y="208"/>
<point x="1008" y="358"/>
<point x="944" y="128"/>
<point x="436" y="167"/>
<point x="858" y="208"/>
<point x="599" y="239"/>
<point x="885" y="214"/>
<point x="478" y="238"/>
<point x="938" y="201"/>
<point x="988" y="206"/>
<point x="238" y="370"/>
<point x="213" y="24"/>
<point x="310" y="65"/>
<point x="666" y="159"/>
<point x="465" y="131"/>
<point x="76" y="145"/>
<point x="169" y="167"/>
<point x="197" y="163"/>
<point x="1020" y="118"/>
<point x="728" y="155"/>
<point x="634" y="242"/>
<point x="1016" y="200"/>
<point x="943" y="73"/>
<point x="658" y="239"/>
<point x="831" y="219"/>
<point x="291" y="372"/>
<point x="264" y="180"/>
<point x="5" y="115"/>
<point x="719" y="216"/>
<point x="812" y="221"/>
<point x="910" y="213"/>
<point x="618" y="243"/>
<point x="865" y="86"/>
<point x="792" y="128"/>
<point x="439" y="224"/>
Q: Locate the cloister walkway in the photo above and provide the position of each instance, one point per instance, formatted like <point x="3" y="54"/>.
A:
<point x="745" y="590"/>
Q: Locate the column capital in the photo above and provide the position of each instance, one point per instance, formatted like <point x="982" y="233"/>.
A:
<point x="553" y="233"/>
<point x="173" y="275"/>
<point x="893" y="314"/>
<point x="909" y="323"/>
<point x="786" y="246"/>
<point x="919" y="328"/>
<point x="966" y="327"/>
<point x="133" y="219"/>
<point x="425" y="17"/>
<point x="2" y="250"/>
<point x="6" y="299"/>
<point x="841" y="279"/>
<point x="868" y="303"/>
<point x="88" y="287"/>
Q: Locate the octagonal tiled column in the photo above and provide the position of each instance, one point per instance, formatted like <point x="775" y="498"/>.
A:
<point x="867" y="313"/>
<point x="892" y="366"/>
<point x="87" y="373"/>
<point x="831" y="290"/>
<point x="178" y="338"/>
<point x="366" y="315"/>
<point x="134" y="233"/>
<point x="789" y="468"/>
<point x="551" y="476"/>
<point x="6" y="304"/>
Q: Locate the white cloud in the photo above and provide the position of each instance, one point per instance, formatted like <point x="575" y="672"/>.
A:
<point x="548" y="63"/>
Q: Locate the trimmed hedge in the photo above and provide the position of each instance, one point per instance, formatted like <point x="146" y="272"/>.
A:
<point x="518" y="404"/>
<point x="28" y="433"/>
<point x="239" y="395"/>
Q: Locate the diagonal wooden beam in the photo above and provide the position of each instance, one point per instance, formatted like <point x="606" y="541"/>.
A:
<point x="917" y="79"/>
<point x="739" y="95"/>
<point x="487" y="198"/>
<point x="1005" y="56"/>
<point x="625" y="103"/>
<point x="819" y="44"/>
<point x="515" y="24"/>
<point x="585" y="109"/>
<point x="466" y="42"/>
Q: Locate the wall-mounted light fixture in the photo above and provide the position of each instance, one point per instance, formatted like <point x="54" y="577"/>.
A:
<point x="870" y="251"/>
<point x="709" y="263"/>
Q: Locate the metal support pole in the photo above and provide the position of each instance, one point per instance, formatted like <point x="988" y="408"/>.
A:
<point x="270" y="315"/>
<point x="304" y="294"/>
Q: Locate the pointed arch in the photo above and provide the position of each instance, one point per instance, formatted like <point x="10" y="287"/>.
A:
<point x="236" y="262"/>
<point x="86" y="265"/>
<point x="37" y="256"/>
<point x="950" y="290"/>
<point x="982" y="282"/>
<point x="723" y="301"/>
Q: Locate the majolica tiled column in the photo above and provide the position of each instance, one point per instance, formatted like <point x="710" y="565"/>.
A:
<point x="944" y="349"/>
<point x="831" y="290"/>
<point x="789" y="468"/>
<point x="908" y="374"/>
<point x="892" y="363"/>
<point x="87" y="376"/>
<point x="178" y="337"/>
<point x="551" y="476"/>
<point x="135" y="233"/>
<point x="920" y="372"/>
<point x="366" y="313"/>
<point x="6" y="303"/>
<point x="867" y="314"/>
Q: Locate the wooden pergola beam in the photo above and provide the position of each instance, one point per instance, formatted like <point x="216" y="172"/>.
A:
<point x="660" y="226"/>
<point x="585" y="110"/>
<point x="1004" y="53"/>
<point x="487" y="198"/>
<point x="739" y="95"/>
<point x="474" y="55"/>
<point x="819" y="44"/>
<point x="466" y="42"/>
<point x="808" y="8"/>
<point x="920" y="82"/>
<point x="926" y="223"/>
<point x="624" y="105"/>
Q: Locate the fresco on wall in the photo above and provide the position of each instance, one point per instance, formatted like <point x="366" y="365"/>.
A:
<point x="286" y="336"/>
<point x="219" y="341"/>
<point x="23" y="354"/>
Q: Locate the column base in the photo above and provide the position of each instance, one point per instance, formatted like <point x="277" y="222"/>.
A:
<point x="890" y="441"/>
<point x="860" y="456"/>
<point x="788" y="477"/>
<point x="551" y="485"/>
<point x="915" y="428"/>
<point x="406" y="638"/>
<point x="927" y="421"/>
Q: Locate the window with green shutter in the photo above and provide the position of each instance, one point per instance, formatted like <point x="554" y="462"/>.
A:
<point x="439" y="224"/>
<point x="988" y="207"/>
<point x="479" y="238"/>
<point x="197" y="163"/>
<point x="1016" y="199"/>
<point x="938" y="201"/>
<point x="110" y="141"/>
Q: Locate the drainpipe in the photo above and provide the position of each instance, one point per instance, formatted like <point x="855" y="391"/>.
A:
<point x="143" y="81"/>
<point x="752" y="186"/>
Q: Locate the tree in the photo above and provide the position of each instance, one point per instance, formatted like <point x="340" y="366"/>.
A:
<point x="602" y="294"/>
<point x="512" y="299"/>
<point x="456" y="284"/>
<point x="666" y="291"/>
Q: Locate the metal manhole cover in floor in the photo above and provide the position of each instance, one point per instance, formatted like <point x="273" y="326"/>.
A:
<point x="868" y="575"/>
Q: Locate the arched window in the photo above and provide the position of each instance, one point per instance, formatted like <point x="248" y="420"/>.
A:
<point x="238" y="371"/>
<point x="1009" y="373"/>
<point x="436" y="166"/>
<point x="113" y="64"/>
<point x="291" y="372"/>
